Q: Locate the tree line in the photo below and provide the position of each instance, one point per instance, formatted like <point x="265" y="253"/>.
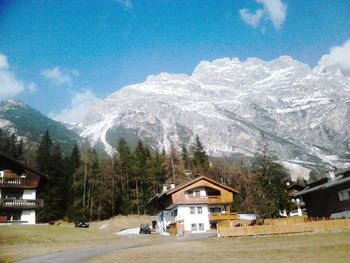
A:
<point x="84" y="184"/>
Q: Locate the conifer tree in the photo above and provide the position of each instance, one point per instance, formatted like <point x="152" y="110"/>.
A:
<point x="199" y="157"/>
<point x="122" y="170"/>
<point x="138" y="172"/>
<point x="159" y="172"/>
<point x="185" y="157"/>
<point x="10" y="145"/>
<point x="49" y="160"/>
<point x="72" y="164"/>
<point x="269" y="185"/>
<point x="173" y="164"/>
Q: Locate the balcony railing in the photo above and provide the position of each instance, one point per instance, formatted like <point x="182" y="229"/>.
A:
<point x="223" y="216"/>
<point x="212" y="199"/>
<point x="21" y="203"/>
<point x="19" y="182"/>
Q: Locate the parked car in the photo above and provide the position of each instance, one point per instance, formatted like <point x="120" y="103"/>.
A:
<point x="81" y="223"/>
<point x="145" y="229"/>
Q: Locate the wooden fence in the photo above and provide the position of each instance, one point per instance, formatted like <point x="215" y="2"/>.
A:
<point x="280" y="226"/>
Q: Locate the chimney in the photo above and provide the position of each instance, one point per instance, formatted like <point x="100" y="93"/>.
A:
<point x="172" y="186"/>
<point x="165" y="188"/>
<point x="331" y="175"/>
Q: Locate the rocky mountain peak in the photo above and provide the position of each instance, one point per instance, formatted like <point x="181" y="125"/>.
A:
<point x="230" y="103"/>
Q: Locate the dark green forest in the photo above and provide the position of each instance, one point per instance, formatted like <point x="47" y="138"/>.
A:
<point x="84" y="184"/>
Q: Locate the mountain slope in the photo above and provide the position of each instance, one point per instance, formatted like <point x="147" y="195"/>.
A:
<point x="304" y="113"/>
<point x="30" y="124"/>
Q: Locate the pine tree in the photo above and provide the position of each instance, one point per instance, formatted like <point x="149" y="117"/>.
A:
<point x="186" y="159"/>
<point x="199" y="157"/>
<point x="173" y="164"/>
<point x="49" y="160"/>
<point x="122" y="170"/>
<point x="159" y="172"/>
<point x="138" y="174"/>
<point x="43" y="153"/>
<point x="10" y="145"/>
<point x="72" y="164"/>
<point x="269" y="185"/>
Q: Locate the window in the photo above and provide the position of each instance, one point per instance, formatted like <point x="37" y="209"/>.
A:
<point x="201" y="227"/>
<point x="189" y="193"/>
<point x="193" y="227"/>
<point x="14" y="215"/>
<point x="344" y="194"/>
<point x="199" y="210"/>
<point x="192" y="211"/>
<point x="215" y="209"/>
<point x="11" y="193"/>
<point x="1" y="174"/>
<point x="175" y="213"/>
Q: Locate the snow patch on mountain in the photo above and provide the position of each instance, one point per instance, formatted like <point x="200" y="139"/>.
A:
<point x="304" y="113"/>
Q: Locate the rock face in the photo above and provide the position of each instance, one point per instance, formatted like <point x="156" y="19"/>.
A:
<point x="304" y="113"/>
<point x="29" y="124"/>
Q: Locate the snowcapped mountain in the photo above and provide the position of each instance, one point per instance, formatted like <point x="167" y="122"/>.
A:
<point x="303" y="112"/>
<point x="29" y="124"/>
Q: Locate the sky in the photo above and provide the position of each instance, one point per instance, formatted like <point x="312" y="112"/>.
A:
<point x="60" y="56"/>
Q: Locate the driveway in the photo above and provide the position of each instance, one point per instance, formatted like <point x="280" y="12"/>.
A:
<point x="81" y="254"/>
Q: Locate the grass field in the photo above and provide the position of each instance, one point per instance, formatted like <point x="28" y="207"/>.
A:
<point x="18" y="242"/>
<point x="21" y="241"/>
<point x="311" y="247"/>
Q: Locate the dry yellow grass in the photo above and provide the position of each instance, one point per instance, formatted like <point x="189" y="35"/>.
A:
<point x="313" y="247"/>
<point x="18" y="242"/>
<point x="21" y="241"/>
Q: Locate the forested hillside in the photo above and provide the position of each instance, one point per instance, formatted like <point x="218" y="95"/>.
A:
<point x="85" y="184"/>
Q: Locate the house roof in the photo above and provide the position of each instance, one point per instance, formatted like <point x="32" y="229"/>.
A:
<point x="341" y="178"/>
<point x="181" y="186"/>
<point x="23" y="166"/>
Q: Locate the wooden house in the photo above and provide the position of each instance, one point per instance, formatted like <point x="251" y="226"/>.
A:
<point x="193" y="207"/>
<point x="329" y="196"/>
<point x="18" y="186"/>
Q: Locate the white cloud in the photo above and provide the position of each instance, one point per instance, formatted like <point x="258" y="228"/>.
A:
<point x="251" y="19"/>
<point x="32" y="88"/>
<point x="10" y="86"/>
<point x="274" y="10"/>
<point x="3" y="62"/>
<point x="78" y="107"/>
<point x="56" y="76"/>
<point x="75" y="72"/>
<point x="126" y="3"/>
<point x="339" y="55"/>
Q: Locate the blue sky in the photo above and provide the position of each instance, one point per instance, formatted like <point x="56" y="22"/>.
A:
<point x="59" y="56"/>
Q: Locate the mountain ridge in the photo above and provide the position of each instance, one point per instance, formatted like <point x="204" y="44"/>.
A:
<point x="303" y="112"/>
<point x="29" y="124"/>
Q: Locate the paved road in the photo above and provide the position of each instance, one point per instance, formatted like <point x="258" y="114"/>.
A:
<point x="81" y="254"/>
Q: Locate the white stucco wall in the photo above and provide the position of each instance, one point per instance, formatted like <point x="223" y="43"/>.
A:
<point x="29" y="194"/>
<point x="29" y="216"/>
<point x="164" y="218"/>
<point x="184" y="214"/>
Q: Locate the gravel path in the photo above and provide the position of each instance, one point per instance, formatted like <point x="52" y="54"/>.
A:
<point x="79" y="255"/>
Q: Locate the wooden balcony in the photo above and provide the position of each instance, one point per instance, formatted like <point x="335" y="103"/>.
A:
<point x="18" y="182"/>
<point x="21" y="203"/>
<point x="202" y="200"/>
<point x="223" y="216"/>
